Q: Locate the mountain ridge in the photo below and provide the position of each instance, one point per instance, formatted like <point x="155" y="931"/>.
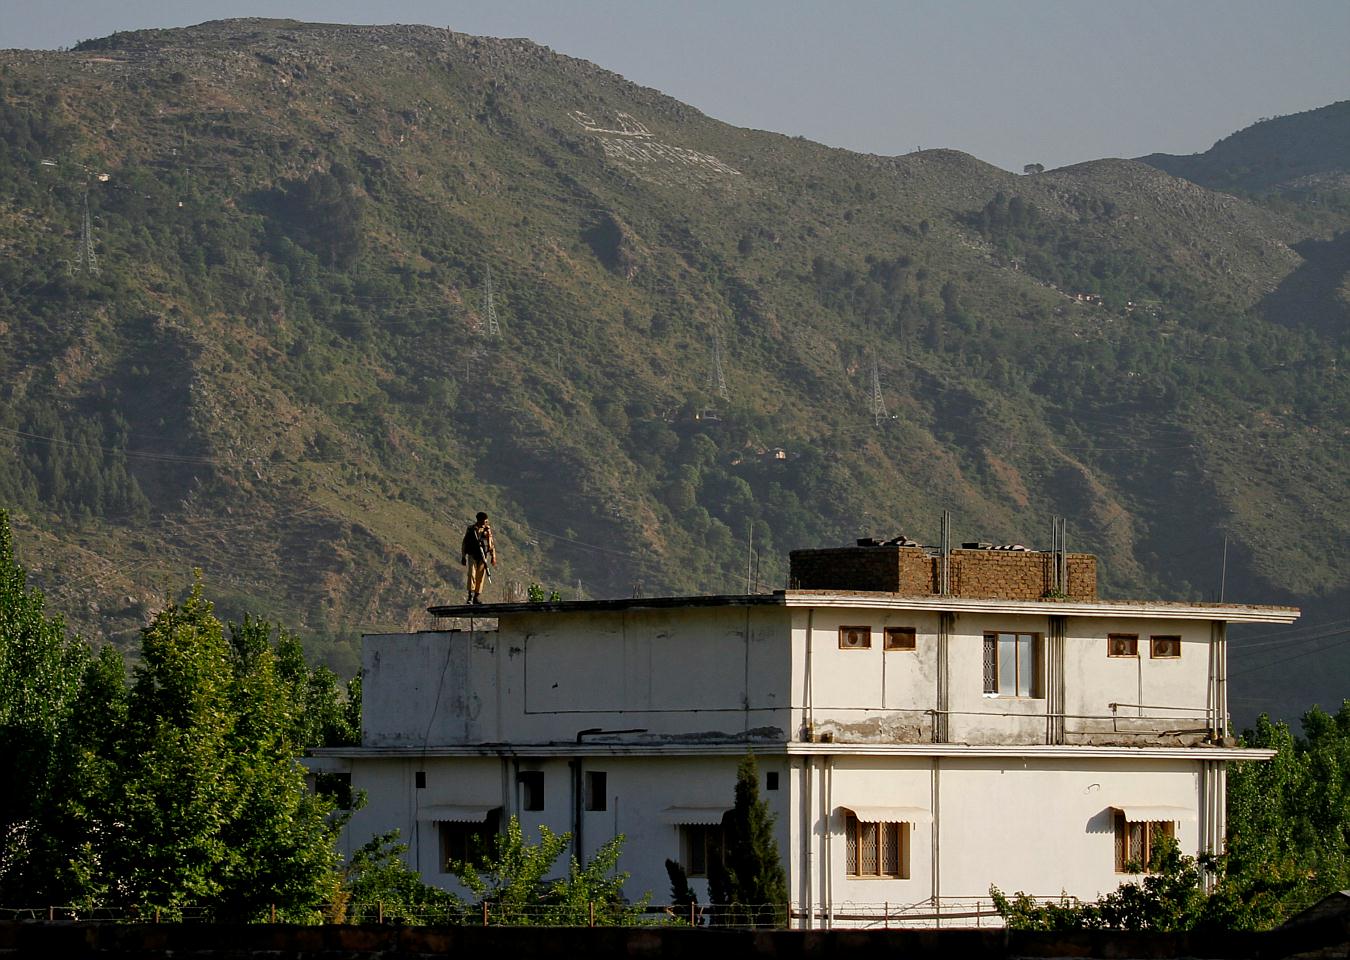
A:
<point x="287" y="346"/>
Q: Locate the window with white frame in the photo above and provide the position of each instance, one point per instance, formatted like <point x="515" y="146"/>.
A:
<point x="876" y="849"/>
<point x="1012" y="664"/>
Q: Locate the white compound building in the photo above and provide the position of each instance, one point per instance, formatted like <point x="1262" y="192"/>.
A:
<point x="926" y="725"/>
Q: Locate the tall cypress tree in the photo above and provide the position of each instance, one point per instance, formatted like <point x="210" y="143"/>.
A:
<point x="748" y="883"/>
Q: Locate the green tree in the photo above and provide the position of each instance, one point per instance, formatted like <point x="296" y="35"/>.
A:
<point x="513" y="882"/>
<point x="748" y="884"/>
<point x="212" y="801"/>
<point x="1171" y="897"/>
<point x="1289" y="819"/>
<point x="42" y="669"/>
<point x="378" y="884"/>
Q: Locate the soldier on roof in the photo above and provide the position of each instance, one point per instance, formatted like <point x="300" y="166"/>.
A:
<point x="478" y="551"/>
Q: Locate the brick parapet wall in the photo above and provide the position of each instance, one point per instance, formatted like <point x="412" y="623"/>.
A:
<point x="912" y="571"/>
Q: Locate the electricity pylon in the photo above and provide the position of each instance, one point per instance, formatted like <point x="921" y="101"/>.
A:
<point x="86" y="260"/>
<point x="717" y="377"/>
<point x="878" y="402"/>
<point x="492" y="327"/>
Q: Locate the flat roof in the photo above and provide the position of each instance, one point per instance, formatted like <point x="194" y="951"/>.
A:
<point x="1139" y="609"/>
<point x="738" y="747"/>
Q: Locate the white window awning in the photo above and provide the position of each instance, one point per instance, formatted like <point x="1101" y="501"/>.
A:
<point x="456" y="812"/>
<point x="873" y="813"/>
<point x="694" y="814"/>
<point x="1154" y="813"/>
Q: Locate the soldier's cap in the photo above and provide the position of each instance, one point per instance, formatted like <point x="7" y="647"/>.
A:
<point x="481" y="517"/>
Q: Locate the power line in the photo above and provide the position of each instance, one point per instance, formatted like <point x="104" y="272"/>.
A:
<point x="1297" y="656"/>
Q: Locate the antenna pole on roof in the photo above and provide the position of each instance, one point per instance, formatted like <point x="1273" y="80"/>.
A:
<point x="1223" y="570"/>
<point x="749" y="552"/>
<point x="945" y="540"/>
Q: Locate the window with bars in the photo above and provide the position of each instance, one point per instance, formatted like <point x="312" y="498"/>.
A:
<point x="1012" y="664"/>
<point x="1135" y="841"/>
<point x="876" y="849"/>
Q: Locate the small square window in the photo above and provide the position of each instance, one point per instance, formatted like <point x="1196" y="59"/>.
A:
<point x="1122" y="644"/>
<point x="596" y="788"/>
<point x="855" y="638"/>
<point x="1164" y="648"/>
<point x="531" y="789"/>
<point x="900" y="638"/>
<point x="771" y="780"/>
<point x="420" y="779"/>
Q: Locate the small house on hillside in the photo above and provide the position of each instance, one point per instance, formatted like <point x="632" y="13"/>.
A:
<point x="926" y="725"/>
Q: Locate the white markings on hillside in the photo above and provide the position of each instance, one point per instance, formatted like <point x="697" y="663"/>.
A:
<point x="624" y="125"/>
<point x="625" y="138"/>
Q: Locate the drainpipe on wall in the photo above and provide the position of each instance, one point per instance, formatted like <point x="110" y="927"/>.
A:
<point x="809" y="732"/>
<point x="827" y="873"/>
<point x="507" y="806"/>
<point x="935" y="801"/>
<point x="575" y="765"/>
<point x="808" y="848"/>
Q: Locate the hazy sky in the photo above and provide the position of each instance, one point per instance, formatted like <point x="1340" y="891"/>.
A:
<point x="1048" y="81"/>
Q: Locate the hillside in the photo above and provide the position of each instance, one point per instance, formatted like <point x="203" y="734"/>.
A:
<point x="1304" y="152"/>
<point x="284" y="370"/>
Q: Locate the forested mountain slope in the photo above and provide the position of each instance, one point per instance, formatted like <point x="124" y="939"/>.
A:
<point x="284" y="371"/>
<point x="1306" y="152"/>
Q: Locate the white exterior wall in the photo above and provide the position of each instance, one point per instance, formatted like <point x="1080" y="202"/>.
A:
<point x="698" y="674"/>
<point x="874" y="695"/>
<point x="1045" y="826"/>
<point x="1170" y="690"/>
<point x="1042" y="826"/>
<point x="639" y="792"/>
<point x="978" y="717"/>
<point x="885" y="695"/>
<point x="666" y="701"/>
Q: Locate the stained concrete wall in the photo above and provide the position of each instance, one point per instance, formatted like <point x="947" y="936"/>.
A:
<point x="700" y="673"/>
<point x="640" y="795"/>
<point x="872" y="695"/>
